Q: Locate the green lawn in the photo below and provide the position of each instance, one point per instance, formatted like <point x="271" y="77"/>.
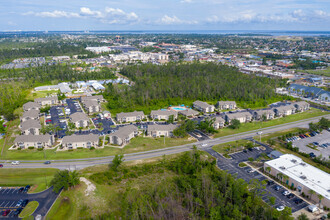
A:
<point x="29" y="209"/>
<point x="325" y="72"/>
<point x="257" y="125"/>
<point x="137" y="145"/>
<point x="40" y="94"/>
<point x="37" y="178"/>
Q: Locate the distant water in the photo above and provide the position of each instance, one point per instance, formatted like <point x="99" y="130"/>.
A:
<point x="219" y="32"/>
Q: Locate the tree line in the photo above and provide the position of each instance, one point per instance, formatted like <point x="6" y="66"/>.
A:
<point x="182" y="83"/>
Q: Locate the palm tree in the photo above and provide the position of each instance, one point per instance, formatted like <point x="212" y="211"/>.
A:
<point x="285" y="177"/>
<point x="74" y="178"/>
<point x="311" y="192"/>
<point x="320" y="199"/>
<point x="280" y="176"/>
<point x="268" y="169"/>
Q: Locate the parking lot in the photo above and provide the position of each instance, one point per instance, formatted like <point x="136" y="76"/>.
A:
<point x="10" y="196"/>
<point x="247" y="174"/>
<point x="322" y="138"/>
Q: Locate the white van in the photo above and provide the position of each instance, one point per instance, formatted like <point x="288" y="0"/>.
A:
<point x="312" y="208"/>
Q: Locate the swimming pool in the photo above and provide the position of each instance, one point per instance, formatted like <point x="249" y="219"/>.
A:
<point x="178" y="108"/>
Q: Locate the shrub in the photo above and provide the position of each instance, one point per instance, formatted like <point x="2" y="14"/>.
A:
<point x="30" y="148"/>
<point x="70" y="150"/>
<point x="19" y="148"/>
<point x="92" y="148"/>
<point x="79" y="147"/>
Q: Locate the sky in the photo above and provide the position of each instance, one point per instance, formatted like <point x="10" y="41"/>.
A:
<point x="77" y="15"/>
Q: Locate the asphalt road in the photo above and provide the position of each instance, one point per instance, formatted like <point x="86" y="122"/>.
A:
<point x="9" y="196"/>
<point x="86" y="162"/>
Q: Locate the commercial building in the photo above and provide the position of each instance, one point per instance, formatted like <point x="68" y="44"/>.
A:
<point x="302" y="176"/>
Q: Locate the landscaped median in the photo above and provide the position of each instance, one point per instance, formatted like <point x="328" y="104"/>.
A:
<point x="313" y="112"/>
<point x="29" y="210"/>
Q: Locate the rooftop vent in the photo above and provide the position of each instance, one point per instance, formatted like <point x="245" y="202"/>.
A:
<point x="294" y="161"/>
<point x="282" y="168"/>
<point x="302" y="164"/>
<point x="303" y="177"/>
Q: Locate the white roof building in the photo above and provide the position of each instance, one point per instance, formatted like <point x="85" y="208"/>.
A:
<point x="304" y="176"/>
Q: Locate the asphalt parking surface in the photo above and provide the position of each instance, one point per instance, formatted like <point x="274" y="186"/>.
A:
<point x="9" y="196"/>
<point x="231" y="166"/>
<point x="322" y="138"/>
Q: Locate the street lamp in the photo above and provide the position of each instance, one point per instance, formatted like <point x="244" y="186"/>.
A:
<point x="260" y="132"/>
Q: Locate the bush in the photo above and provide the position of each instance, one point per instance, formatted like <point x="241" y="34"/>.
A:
<point x="30" y="148"/>
<point x="19" y="148"/>
<point x="40" y="149"/>
<point x="92" y="148"/>
<point x="79" y="148"/>
<point x="70" y="150"/>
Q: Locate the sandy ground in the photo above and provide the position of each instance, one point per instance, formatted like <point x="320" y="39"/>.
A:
<point x="90" y="186"/>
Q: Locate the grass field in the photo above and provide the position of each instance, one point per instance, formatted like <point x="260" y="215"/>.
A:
<point x="36" y="178"/>
<point x="257" y="125"/>
<point x="325" y="72"/>
<point x="40" y="94"/>
<point x="29" y="209"/>
<point x="230" y="147"/>
<point x="137" y="145"/>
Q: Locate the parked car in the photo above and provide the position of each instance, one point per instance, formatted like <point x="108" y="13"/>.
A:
<point x="21" y="189"/>
<point x="6" y="212"/>
<point x="245" y="151"/>
<point x="15" y="163"/>
<point x="1" y="165"/>
<point x="290" y="196"/>
<point x="280" y="208"/>
<point x="285" y="193"/>
<point x="26" y="188"/>
<point x="25" y="202"/>
<point x="17" y="211"/>
<point x="298" y="201"/>
<point x="312" y="154"/>
<point x="316" y="143"/>
<point x="270" y="182"/>
<point x="19" y="203"/>
<point x="277" y="187"/>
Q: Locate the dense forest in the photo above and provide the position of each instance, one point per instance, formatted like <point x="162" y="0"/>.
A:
<point x="157" y="86"/>
<point x="193" y="188"/>
<point x="43" y="49"/>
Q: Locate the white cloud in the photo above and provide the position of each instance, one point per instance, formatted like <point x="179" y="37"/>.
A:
<point x="108" y="15"/>
<point x="186" y="1"/>
<point x="321" y="13"/>
<point x="54" y="14"/>
<point x="174" y="20"/>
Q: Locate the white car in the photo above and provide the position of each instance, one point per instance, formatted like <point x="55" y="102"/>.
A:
<point x="280" y="208"/>
<point x="285" y="193"/>
<point x="204" y="145"/>
<point x="15" y="163"/>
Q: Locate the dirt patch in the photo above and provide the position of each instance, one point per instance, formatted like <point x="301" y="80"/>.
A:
<point x="90" y="186"/>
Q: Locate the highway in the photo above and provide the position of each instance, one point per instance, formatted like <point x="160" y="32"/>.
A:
<point x="73" y="164"/>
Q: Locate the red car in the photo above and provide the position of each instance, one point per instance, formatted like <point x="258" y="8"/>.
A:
<point x="5" y="213"/>
<point x="1" y="165"/>
<point x="48" y="120"/>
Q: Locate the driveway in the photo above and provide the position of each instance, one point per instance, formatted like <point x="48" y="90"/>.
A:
<point x="9" y="196"/>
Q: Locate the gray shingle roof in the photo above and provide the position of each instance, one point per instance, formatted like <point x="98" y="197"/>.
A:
<point x="29" y="105"/>
<point x="31" y="113"/>
<point x="30" y="124"/>
<point x="226" y="103"/>
<point x="32" y="138"/>
<point x="90" y="103"/>
<point x="123" y="132"/>
<point x="156" y="127"/>
<point x="80" y="138"/>
<point x="79" y="116"/>
<point x="301" y="103"/>
<point x="163" y="112"/>
<point x="130" y="114"/>
<point x="189" y="112"/>
<point x="202" y="104"/>
<point x="88" y="98"/>
<point x="264" y="112"/>
<point x="238" y="115"/>
<point x="285" y="108"/>
<point x="46" y="99"/>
